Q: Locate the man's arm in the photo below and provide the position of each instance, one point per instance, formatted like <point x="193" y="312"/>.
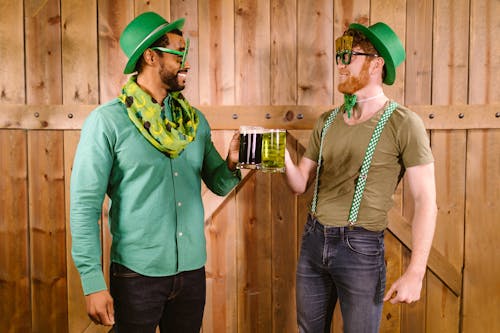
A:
<point x="299" y="176"/>
<point x="423" y="189"/>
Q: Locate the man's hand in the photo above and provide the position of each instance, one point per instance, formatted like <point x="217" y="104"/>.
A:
<point x="234" y="151"/>
<point x="100" y="308"/>
<point x="406" y="289"/>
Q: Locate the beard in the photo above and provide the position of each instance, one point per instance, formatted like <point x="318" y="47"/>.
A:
<point x="170" y="79"/>
<point x="355" y="83"/>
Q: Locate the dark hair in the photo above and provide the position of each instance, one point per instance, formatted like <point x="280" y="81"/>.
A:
<point x="359" y="39"/>
<point x="163" y="41"/>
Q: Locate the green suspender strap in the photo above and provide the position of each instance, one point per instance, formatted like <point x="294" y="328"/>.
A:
<point x="365" y="167"/>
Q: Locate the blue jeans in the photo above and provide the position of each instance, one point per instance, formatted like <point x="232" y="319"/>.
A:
<point x="141" y="303"/>
<point x="339" y="263"/>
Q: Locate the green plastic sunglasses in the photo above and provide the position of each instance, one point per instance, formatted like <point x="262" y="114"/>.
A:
<point x="182" y="54"/>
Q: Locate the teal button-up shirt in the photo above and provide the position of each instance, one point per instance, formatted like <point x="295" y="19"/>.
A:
<point x="156" y="212"/>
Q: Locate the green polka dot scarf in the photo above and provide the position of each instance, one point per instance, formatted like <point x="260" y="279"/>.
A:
<point x="169" y="137"/>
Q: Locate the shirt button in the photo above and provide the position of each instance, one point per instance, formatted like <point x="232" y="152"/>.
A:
<point x="180" y="234"/>
<point x="179" y="204"/>
<point x="176" y="174"/>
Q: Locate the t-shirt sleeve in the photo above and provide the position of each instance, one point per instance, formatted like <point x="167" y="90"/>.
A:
<point x="414" y="142"/>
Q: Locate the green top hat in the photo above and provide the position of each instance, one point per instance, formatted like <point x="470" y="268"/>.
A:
<point x="388" y="45"/>
<point x="143" y="31"/>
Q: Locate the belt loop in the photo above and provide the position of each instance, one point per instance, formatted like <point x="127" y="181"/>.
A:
<point x="342" y="229"/>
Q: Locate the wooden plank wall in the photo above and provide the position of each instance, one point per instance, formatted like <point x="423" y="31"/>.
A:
<point x="254" y="55"/>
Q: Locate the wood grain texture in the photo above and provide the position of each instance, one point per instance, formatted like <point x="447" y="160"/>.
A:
<point x="481" y="284"/>
<point x="14" y="240"/>
<point x="251" y="48"/>
<point x="230" y="117"/>
<point x="315" y="52"/>
<point x="12" y="44"/>
<point x="216" y="44"/>
<point x="283" y="55"/>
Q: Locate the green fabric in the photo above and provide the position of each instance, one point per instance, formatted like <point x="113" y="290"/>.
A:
<point x="403" y="143"/>
<point x="170" y="137"/>
<point x="156" y="214"/>
<point x="349" y="102"/>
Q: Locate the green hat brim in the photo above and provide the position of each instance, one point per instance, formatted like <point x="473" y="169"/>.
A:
<point x="383" y="49"/>
<point x="150" y="39"/>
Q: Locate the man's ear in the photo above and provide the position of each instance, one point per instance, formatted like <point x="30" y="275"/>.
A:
<point x="149" y="56"/>
<point x="378" y="64"/>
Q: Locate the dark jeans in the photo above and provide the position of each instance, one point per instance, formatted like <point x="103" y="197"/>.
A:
<point x="141" y="303"/>
<point x="338" y="263"/>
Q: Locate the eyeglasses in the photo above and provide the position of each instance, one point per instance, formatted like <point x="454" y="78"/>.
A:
<point x="345" y="56"/>
<point x="182" y="54"/>
<point x="344" y="52"/>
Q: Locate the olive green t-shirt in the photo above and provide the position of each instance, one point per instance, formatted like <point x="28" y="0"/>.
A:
<point x="403" y="143"/>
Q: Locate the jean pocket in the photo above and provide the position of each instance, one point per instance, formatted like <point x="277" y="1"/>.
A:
<point x="368" y="246"/>
<point x="120" y="271"/>
<point x="308" y="227"/>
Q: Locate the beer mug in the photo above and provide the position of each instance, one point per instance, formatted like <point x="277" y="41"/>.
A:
<point x="273" y="150"/>
<point x="250" y="154"/>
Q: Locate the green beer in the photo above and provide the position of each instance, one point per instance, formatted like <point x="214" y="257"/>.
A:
<point x="273" y="150"/>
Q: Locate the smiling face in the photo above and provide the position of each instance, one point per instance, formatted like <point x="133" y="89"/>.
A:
<point x="356" y="75"/>
<point x="171" y="73"/>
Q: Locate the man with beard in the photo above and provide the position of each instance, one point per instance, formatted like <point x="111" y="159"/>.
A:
<point x="148" y="150"/>
<point x="356" y="156"/>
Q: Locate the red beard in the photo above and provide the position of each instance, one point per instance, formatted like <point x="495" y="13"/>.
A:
<point x="355" y="83"/>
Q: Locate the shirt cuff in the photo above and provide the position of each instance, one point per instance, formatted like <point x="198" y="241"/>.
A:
<point x="93" y="283"/>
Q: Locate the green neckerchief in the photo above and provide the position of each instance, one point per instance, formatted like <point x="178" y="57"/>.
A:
<point x="349" y="101"/>
<point x="169" y="137"/>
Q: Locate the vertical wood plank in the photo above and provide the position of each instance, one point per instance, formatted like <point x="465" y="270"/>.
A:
<point x="216" y="52"/>
<point x="449" y="86"/>
<point x="43" y="52"/>
<point x="283" y="201"/>
<point x="112" y="60"/>
<point x="481" y="286"/>
<point x="484" y="66"/>
<point x="252" y="40"/>
<point x="418" y="52"/>
<point x="450" y="52"/>
<point x="47" y="231"/>
<point x="15" y="308"/>
<point x="252" y="67"/>
<point x="220" y="232"/>
<point x="315" y="51"/>
<point x="46" y="171"/>
<point x="254" y="255"/>
<point x="160" y="7"/>
<point x="80" y="86"/>
<point x="221" y="306"/>
<point x="189" y="10"/>
<point x="283" y="52"/>
<point x="79" y="52"/>
<point x="449" y="149"/>
<point x="284" y="236"/>
<point x="12" y="52"/>
<point x="14" y="241"/>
